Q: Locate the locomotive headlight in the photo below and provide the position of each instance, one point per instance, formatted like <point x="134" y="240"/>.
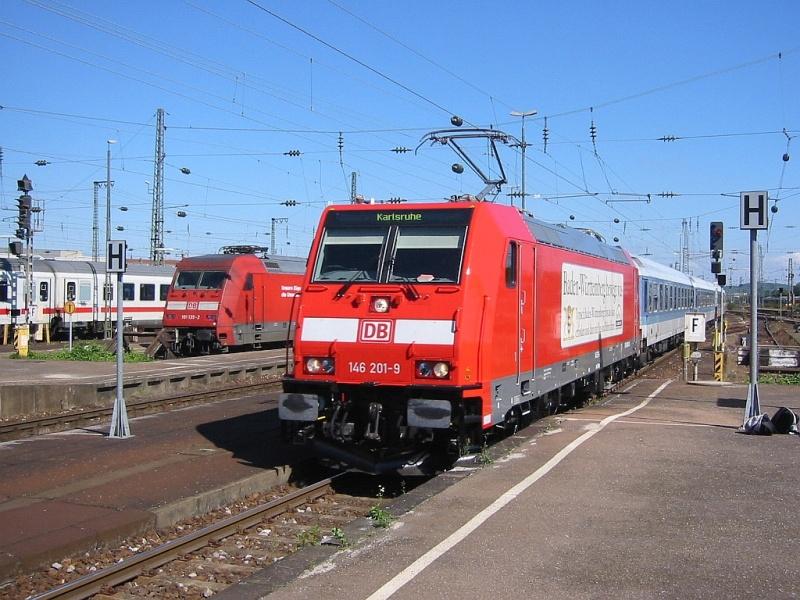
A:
<point x="380" y="305"/>
<point x="316" y="365"/>
<point x="430" y="370"/>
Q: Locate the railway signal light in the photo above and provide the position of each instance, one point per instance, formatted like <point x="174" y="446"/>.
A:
<point x="24" y="185"/>
<point x="24" y="204"/>
<point x="717" y="230"/>
<point x="715" y="244"/>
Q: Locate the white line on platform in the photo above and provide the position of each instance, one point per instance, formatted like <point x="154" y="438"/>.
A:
<point x="627" y="422"/>
<point x="410" y="572"/>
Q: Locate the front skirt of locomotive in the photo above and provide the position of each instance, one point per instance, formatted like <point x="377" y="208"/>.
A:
<point x="377" y="429"/>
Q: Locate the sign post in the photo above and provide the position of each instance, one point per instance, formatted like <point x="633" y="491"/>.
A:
<point x="116" y="263"/>
<point x="753" y="216"/>
<point x="694" y="331"/>
<point x="69" y="308"/>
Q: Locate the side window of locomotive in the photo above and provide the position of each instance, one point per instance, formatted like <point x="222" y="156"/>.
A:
<point x="128" y="291"/>
<point x="71" y="287"/>
<point x="187" y="280"/>
<point x="511" y="265"/>
<point x="163" y="292"/>
<point x="44" y="291"/>
<point x="147" y="291"/>
<point x="248" y="282"/>
<point x="349" y="254"/>
<point x="427" y="254"/>
<point x="4" y="295"/>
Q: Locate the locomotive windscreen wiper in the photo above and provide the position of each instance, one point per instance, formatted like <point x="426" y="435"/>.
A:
<point x="408" y="283"/>
<point x="349" y="282"/>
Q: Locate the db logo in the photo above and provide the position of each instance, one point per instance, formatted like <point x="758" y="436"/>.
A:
<point x="192" y="305"/>
<point x="375" y="331"/>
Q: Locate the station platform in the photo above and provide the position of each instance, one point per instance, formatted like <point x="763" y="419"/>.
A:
<point x="37" y="387"/>
<point x="69" y="492"/>
<point x="650" y="493"/>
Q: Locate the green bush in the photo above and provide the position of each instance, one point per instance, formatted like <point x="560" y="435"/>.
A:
<point x="86" y="352"/>
<point x="780" y="378"/>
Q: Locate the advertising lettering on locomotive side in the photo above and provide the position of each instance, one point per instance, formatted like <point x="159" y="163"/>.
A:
<point x="592" y="304"/>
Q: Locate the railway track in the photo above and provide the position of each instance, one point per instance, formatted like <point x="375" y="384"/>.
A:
<point x="11" y="430"/>
<point x="216" y="556"/>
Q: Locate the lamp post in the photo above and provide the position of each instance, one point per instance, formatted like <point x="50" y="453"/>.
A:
<point x="107" y="287"/>
<point x="523" y="114"/>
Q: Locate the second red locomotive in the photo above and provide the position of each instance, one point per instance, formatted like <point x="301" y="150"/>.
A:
<point x="232" y="300"/>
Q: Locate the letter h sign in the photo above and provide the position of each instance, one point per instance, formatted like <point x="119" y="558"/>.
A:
<point x="753" y="214"/>
<point x="115" y="257"/>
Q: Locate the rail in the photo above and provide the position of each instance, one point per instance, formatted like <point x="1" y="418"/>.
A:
<point x="135" y="566"/>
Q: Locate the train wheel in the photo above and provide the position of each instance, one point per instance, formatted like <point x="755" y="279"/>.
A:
<point x="547" y="404"/>
<point x="512" y="421"/>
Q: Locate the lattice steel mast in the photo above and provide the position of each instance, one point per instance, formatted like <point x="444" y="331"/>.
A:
<point x="157" y="222"/>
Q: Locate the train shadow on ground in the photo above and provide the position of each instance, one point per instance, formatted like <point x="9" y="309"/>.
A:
<point x="253" y="438"/>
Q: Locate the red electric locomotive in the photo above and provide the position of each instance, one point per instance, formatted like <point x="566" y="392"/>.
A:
<point x="232" y="300"/>
<point x="422" y="327"/>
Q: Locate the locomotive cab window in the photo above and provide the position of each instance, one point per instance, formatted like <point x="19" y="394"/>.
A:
<point x="200" y="280"/>
<point x="392" y="246"/>
<point x="163" y="292"/>
<point x="212" y="280"/>
<point x="44" y="291"/>
<point x="187" y="280"/>
<point x="71" y="289"/>
<point x="349" y="254"/>
<point x="427" y="254"/>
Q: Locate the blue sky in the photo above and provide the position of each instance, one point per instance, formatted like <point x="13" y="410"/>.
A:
<point x="241" y="87"/>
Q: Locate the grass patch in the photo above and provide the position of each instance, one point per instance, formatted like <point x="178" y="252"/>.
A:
<point x="86" y="352"/>
<point x="379" y="515"/>
<point x="309" y="537"/>
<point x="780" y="378"/>
<point x="484" y="458"/>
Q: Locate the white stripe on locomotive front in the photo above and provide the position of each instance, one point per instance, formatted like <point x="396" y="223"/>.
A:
<point x="406" y="331"/>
